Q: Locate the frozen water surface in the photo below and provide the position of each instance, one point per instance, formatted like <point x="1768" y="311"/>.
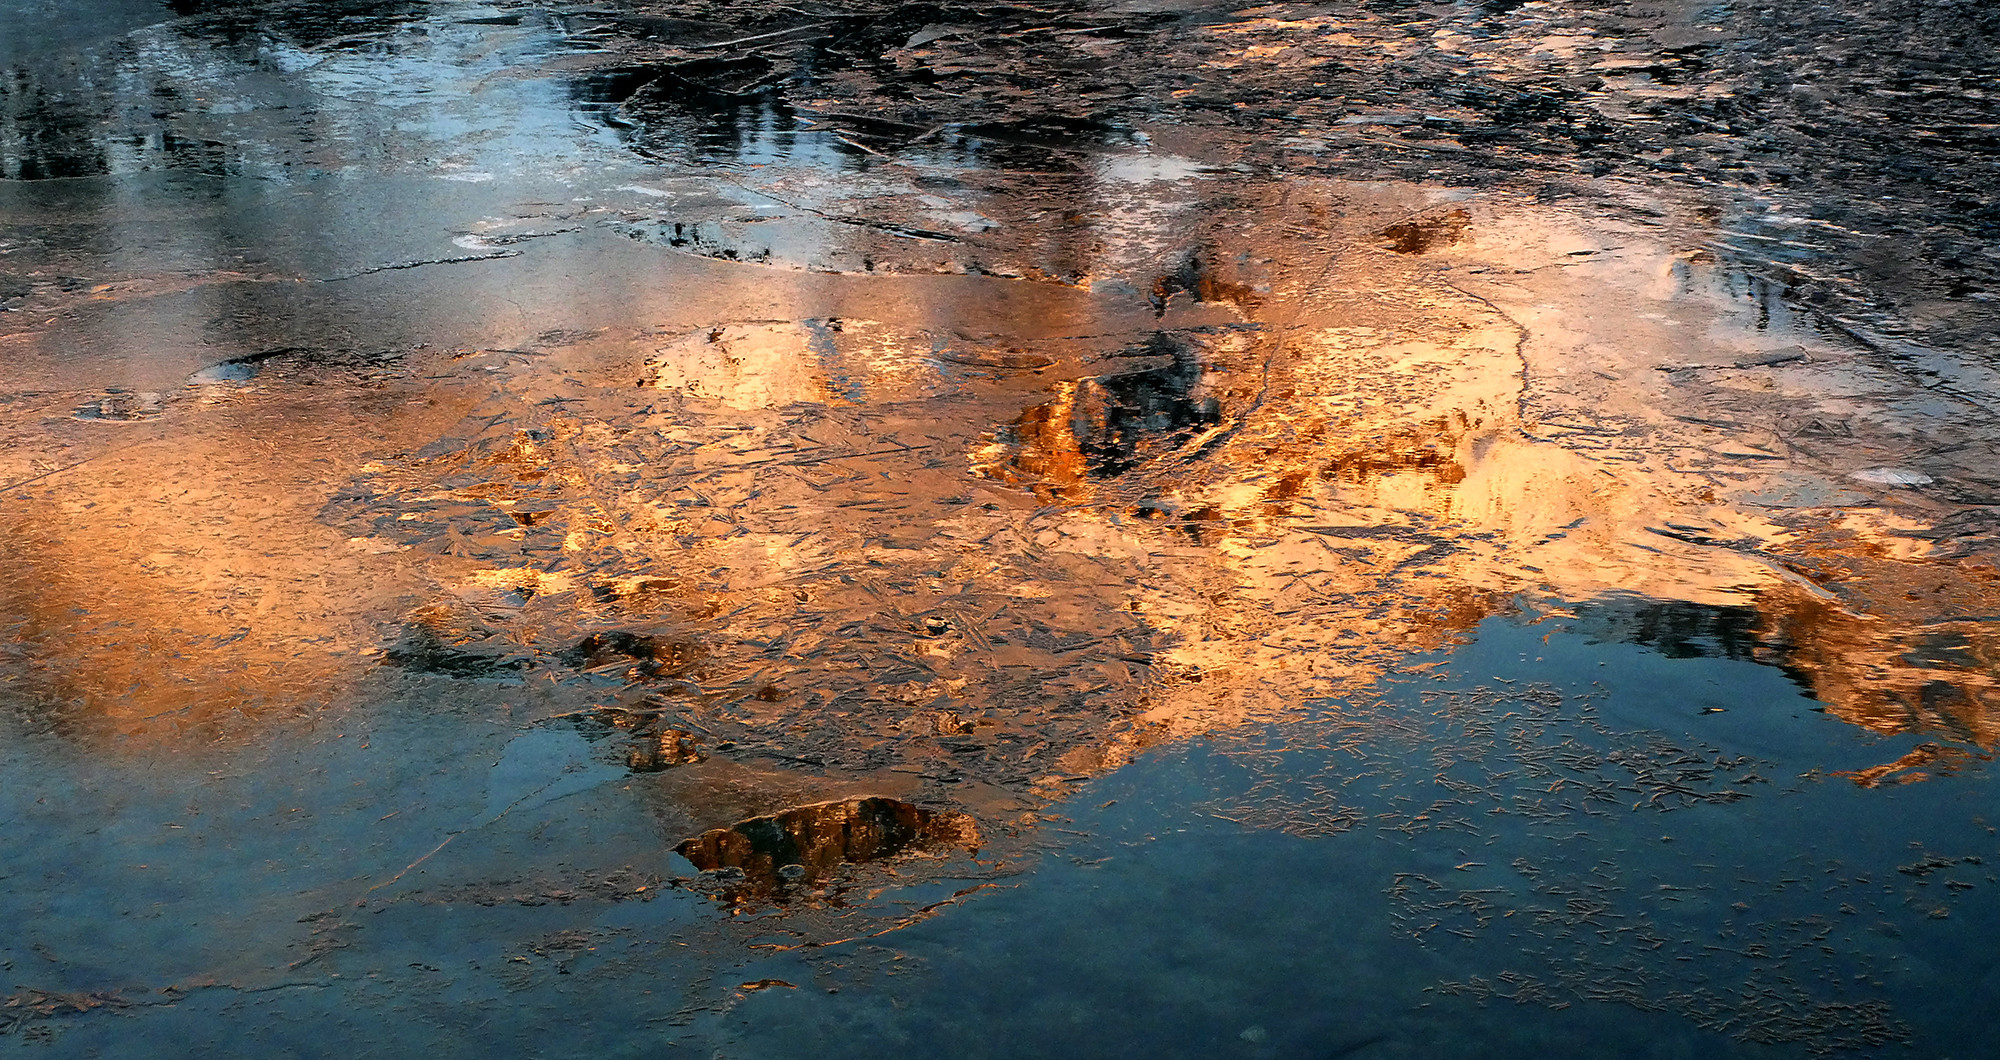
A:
<point x="1073" y="528"/>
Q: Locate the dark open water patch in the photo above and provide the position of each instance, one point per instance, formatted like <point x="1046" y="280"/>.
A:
<point x="1535" y="844"/>
<point x="1494" y="860"/>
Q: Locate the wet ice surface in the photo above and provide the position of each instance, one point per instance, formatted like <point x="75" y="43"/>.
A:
<point x="1067" y="529"/>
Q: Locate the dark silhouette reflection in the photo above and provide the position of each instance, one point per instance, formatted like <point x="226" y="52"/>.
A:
<point x="60" y="120"/>
<point x="664" y="112"/>
<point x="1680" y="629"/>
<point x="48" y="132"/>
<point x="742" y="111"/>
<point x="340" y="24"/>
<point x="1806" y="111"/>
<point x="746" y="89"/>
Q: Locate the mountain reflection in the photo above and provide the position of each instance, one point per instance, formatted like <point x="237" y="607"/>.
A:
<point x="1018" y="419"/>
<point x="861" y="527"/>
<point x="792" y="462"/>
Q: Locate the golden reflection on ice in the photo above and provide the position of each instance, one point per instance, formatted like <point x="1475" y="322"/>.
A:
<point x="1018" y="536"/>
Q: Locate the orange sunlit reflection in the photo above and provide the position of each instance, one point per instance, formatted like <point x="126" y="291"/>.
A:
<point x="1242" y="486"/>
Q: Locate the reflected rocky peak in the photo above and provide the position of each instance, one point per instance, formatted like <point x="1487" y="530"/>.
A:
<point x="654" y="656"/>
<point x="805" y="847"/>
<point x="1104" y="426"/>
<point x="123" y="406"/>
<point x="1200" y="278"/>
<point x="1419" y="235"/>
<point x="663" y="750"/>
<point x="758" y="365"/>
<point x="453" y="642"/>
